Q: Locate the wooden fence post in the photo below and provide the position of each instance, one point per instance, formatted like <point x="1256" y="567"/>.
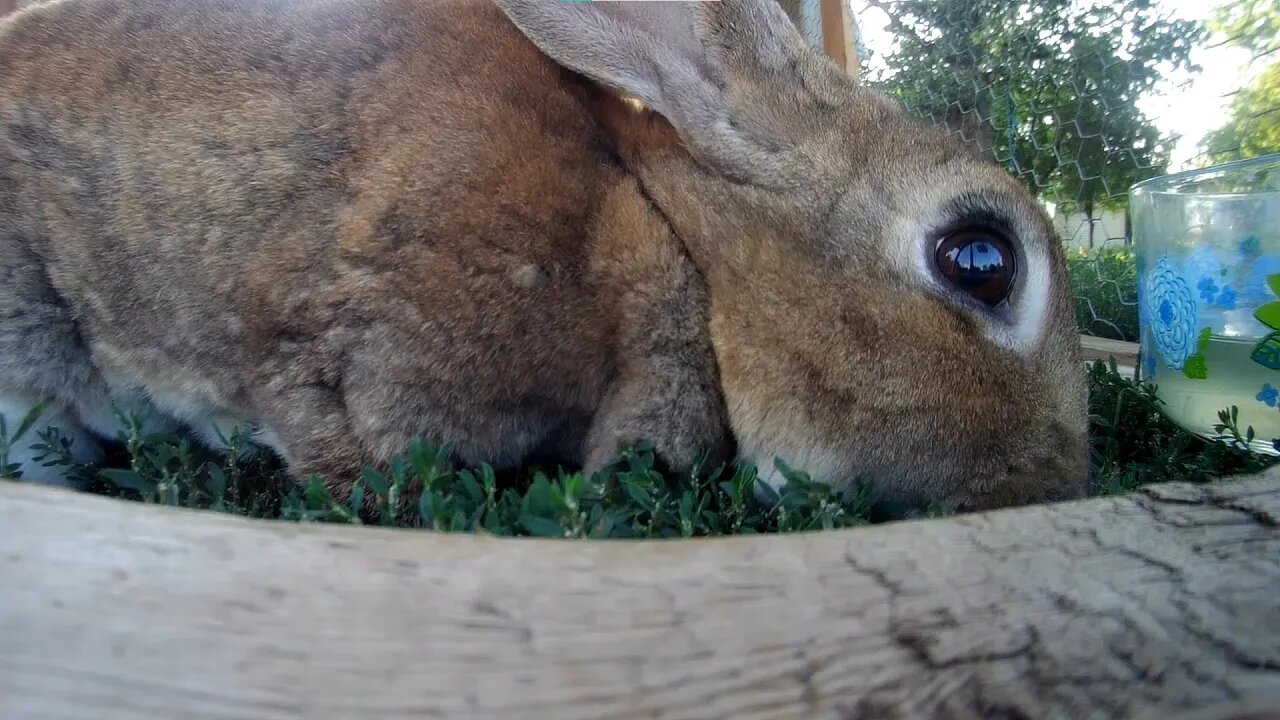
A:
<point x="839" y="35"/>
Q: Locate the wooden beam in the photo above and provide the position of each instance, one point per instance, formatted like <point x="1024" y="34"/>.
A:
<point x="1096" y="348"/>
<point x="1159" y="605"/>
<point x="1125" y="353"/>
<point x="839" y="35"/>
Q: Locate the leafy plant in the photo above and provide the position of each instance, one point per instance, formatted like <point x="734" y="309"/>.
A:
<point x="1196" y="368"/>
<point x="631" y="499"/>
<point x="1133" y="444"/>
<point x="1105" y="285"/>
<point x="9" y="439"/>
<point x="1267" y="351"/>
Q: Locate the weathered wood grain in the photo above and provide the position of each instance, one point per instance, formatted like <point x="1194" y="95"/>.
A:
<point x="1163" y="603"/>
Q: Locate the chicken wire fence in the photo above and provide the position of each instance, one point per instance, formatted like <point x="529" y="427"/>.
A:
<point x="1075" y="98"/>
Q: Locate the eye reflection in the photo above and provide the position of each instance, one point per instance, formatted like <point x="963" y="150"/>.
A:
<point x="979" y="263"/>
<point x="976" y="261"/>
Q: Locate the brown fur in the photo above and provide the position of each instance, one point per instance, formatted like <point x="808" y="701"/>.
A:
<point x="364" y="221"/>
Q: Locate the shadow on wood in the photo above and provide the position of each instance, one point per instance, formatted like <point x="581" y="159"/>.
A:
<point x="1160" y="602"/>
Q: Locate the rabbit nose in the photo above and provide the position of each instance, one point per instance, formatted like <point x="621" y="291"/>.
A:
<point x="1046" y="480"/>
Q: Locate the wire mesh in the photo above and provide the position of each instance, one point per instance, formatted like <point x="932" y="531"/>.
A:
<point x="1066" y="94"/>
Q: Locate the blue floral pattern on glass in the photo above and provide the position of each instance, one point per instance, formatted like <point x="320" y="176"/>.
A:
<point x="1268" y="395"/>
<point x="1214" y="295"/>
<point x="1250" y="247"/>
<point x="1205" y="262"/>
<point x="1227" y="299"/>
<point x="1171" y="311"/>
<point x="1183" y="300"/>
<point x="1208" y="288"/>
<point x="1252" y="289"/>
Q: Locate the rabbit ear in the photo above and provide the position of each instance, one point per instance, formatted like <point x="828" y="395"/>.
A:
<point x="648" y="49"/>
<point x="681" y="58"/>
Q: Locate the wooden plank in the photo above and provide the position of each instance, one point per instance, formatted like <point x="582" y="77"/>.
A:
<point x="1159" y="605"/>
<point x="1124" y="353"/>
<point x="839" y="35"/>
<point x="1096" y="348"/>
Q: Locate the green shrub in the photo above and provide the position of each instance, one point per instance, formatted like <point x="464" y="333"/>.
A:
<point x="1132" y="444"/>
<point x="420" y="488"/>
<point x="1105" y="285"/>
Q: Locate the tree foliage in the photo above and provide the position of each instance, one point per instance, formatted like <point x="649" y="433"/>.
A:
<point x="1251" y="24"/>
<point x="1253" y="126"/>
<point x="1048" y="87"/>
<point x="1253" y="129"/>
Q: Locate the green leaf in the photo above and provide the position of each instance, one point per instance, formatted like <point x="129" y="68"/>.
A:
<point x="637" y="493"/>
<point x="217" y="482"/>
<point x="1267" y="352"/>
<point x="470" y="486"/>
<point x="1196" y="369"/>
<point x="397" y="470"/>
<point x="730" y="489"/>
<point x="489" y="480"/>
<point x="1269" y="315"/>
<point x="28" y="421"/>
<point x="1202" y="342"/>
<point x="541" y="527"/>
<point x="376" y="481"/>
<point x="317" y="493"/>
<point x="557" y="497"/>
<point x="538" y="498"/>
<point x="686" y="505"/>
<point x="127" y="479"/>
<point x="356" y="499"/>
<point x="1273" y="282"/>
<point x="426" y="509"/>
<point x="770" y="496"/>
<point x="573" y="485"/>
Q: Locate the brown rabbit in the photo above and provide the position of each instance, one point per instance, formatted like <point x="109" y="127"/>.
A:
<point x="357" y="222"/>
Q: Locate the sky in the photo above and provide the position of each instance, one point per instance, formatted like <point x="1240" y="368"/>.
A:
<point x="1188" y="106"/>
<point x="1197" y="105"/>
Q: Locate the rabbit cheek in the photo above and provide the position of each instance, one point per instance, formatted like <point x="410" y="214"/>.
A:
<point x="953" y="420"/>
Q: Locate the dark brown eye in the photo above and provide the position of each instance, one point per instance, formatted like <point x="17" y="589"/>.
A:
<point x="979" y="263"/>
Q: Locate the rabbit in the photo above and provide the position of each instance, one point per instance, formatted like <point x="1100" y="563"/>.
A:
<point x="526" y="228"/>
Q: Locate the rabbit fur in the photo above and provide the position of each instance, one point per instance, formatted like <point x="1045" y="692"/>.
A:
<point x="353" y="223"/>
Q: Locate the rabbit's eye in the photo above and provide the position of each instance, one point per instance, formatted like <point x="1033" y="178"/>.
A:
<point x="980" y="263"/>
